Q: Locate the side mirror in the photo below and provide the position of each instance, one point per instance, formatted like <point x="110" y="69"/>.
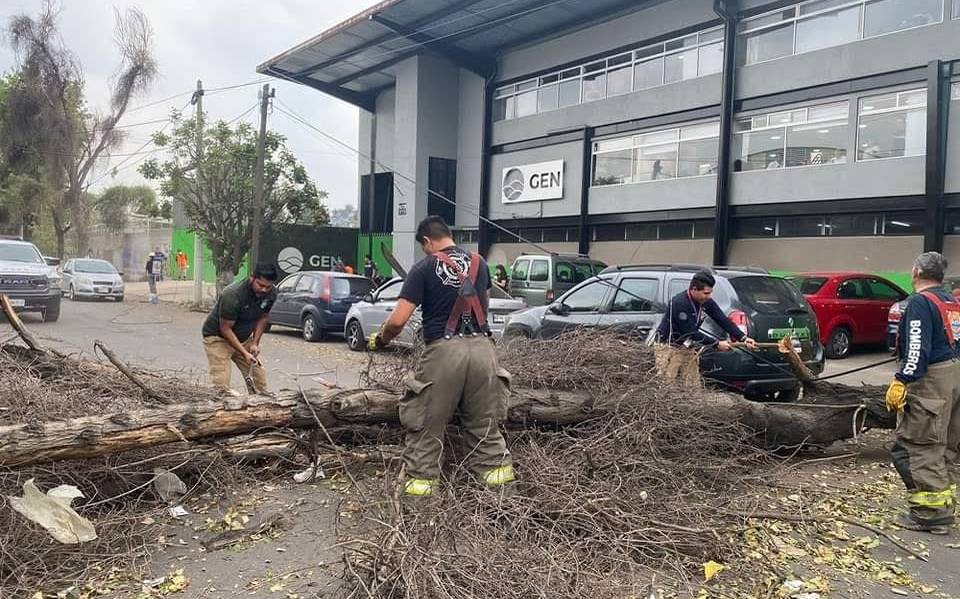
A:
<point x="120" y="273"/>
<point x="559" y="308"/>
<point x="368" y="298"/>
<point x="51" y="261"/>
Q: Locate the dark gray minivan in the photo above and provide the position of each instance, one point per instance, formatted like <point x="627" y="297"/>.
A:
<point x="538" y="279"/>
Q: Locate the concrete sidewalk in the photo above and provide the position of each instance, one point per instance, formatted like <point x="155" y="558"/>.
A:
<point x="173" y="291"/>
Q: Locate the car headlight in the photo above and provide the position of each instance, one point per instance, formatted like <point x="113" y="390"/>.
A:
<point x="84" y="281"/>
<point x="53" y="281"/>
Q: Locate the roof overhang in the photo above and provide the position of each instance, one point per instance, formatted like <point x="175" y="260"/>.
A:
<point x="354" y="61"/>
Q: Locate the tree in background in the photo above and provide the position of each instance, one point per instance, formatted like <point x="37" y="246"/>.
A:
<point x="115" y="204"/>
<point x="348" y="216"/>
<point x="49" y="107"/>
<point x="217" y="190"/>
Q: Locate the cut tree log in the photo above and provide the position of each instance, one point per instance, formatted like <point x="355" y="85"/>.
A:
<point x="776" y="425"/>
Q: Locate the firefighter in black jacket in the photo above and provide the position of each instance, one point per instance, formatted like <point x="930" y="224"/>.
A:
<point x="926" y="394"/>
<point x="680" y="335"/>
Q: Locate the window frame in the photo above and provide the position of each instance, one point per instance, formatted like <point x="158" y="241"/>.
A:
<point x="620" y="289"/>
<point x="510" y="93"/>
<point x="745" y="29"/>
<point x="634" y="143"/>
<point x="514" y="269"/>
<point x="398" y="284"/>
<point x="806" y="121"/>
<point x="882" y="111"/>
<point x="546" y="270"/>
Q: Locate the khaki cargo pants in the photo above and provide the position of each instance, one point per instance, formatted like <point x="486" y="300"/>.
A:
<point x="678" y="364"/>
<point x="928" y="433"/>
<point x="219" y="356"/>
<point x="457" y="375"/>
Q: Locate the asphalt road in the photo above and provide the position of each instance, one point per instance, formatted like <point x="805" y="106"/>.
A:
<point x="166" y="337"/>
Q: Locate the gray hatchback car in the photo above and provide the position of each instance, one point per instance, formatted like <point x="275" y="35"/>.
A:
<point x="541" y="278"/>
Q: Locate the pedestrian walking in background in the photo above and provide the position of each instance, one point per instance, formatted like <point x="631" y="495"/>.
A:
<point x="182" y="264"/>
<point x="925" y="393"/>
<point x="458" y="372"/>
<point x="368" y="267"/>
<point x="154" y="268"/>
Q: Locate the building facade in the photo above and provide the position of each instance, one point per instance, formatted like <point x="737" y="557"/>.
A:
<point x="822" y="134"/>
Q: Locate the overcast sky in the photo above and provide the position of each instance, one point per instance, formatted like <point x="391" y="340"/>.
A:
<point x="220" y="42"/>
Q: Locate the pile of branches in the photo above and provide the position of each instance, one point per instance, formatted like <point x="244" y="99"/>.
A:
<point x="648" y="487"/>
<point x="119" y="498"/>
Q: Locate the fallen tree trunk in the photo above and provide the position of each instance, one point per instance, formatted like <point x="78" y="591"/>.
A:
<point x="776" y="425"/>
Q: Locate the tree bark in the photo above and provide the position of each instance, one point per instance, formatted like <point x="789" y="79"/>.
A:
<point x="776" y="425"/>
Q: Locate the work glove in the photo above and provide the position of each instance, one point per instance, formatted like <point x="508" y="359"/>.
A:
<point x="896" y="396"/>
<point x="374" y="342"/>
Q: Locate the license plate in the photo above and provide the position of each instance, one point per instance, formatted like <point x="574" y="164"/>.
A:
<point x="18" y="303"/>
<point x="801" y="334"/>
<point x="499" y="319"/>
<point x="102" y="290"/>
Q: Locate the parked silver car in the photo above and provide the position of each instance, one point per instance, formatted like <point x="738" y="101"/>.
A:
<point x="369" y="315"/>
<point x="91" y="278"/>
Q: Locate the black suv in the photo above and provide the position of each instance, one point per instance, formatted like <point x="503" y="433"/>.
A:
<point x="634" y="299"/>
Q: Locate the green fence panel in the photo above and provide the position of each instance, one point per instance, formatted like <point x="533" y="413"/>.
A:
<point x="183" y="239"/>
<point x="363" y="248"/>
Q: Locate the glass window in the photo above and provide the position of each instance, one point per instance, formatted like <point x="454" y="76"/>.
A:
<point x="882" y="290"/>
<point x="711" y="36"/>
<point x="891" y="133"/>
<point x="341" y="287"/>
<point x="828" y="29"/>
<point x="539" y="270"/>
<point x="520" y="268"/>
<point x="851" y="225"/>
<point x="656" y="162"/>
<point x="679" y="285"/>
<point x="809" y="285"/>
<point x="305" y="285"/>
<point x="711" y="59"/>
<point x="768" y="44"/>
<point x="569" y="92"/>
<point x="952" y="219"/>
<point x="527" y="103"/>
<point x="698" y="157"/>
<point x="594" y="86"/>
<point x="768" y="295"/>
<point x="903" y="223"/>
<point x="619" y="81"/>
<point x="853" y="289"/>
<point x="838" y="111"/>
<point x="500" y="109"/>
<point x="703" y="229"/>
<point x="642" y="232"/>
<point x="649" y="73"/>
<point x="886" y="16"/>
<point x="676" y="230"/>
<point x="817" y="143"/>
<point x="771" y="19"/>
<point x="956" y="9"/>
<point x="609" y="233"/>
<point x="680" y="66"/>
<point x="557" y="234"/>
<point x="635" y="295"/>
<point x="745" y="228"/>
<point x="800" y="226"/>
<point x="613" y="168"/>
<point x="587" y="298"/>
<point x="760" y="150"/>
<point x="548" y="98"/>
<point x="288" y="284"/>
<point x="955" y="88"/>
<point x="812" y="7"/>
<point x="390" y="291"/>
<point x="573" y="272"/>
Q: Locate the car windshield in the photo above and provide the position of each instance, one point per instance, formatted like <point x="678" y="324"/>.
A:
<point x="341" y="287"/>
<point x="768" y="295"/>
<point x="575" y="272"/>
<point x="20" y="252"/>
<point x="808" y="285"/>
<point x="95" y="266"/>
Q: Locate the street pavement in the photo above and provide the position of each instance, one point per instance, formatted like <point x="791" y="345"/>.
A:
<point x="166" y="337"/>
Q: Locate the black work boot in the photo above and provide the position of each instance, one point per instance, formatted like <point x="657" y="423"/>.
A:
<point x="936" y="521"/>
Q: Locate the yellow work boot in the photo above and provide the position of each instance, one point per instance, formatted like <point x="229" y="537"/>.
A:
<point x="419" y="487"/>
<point x="499" y="476"/>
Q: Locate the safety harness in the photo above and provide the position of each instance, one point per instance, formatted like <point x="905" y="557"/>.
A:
<point x="949" y="314"/>
<point x="468" y="306"/>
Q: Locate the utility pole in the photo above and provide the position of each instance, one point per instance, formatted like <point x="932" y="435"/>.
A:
<point x="197" y="101"/>
<point x="266" y="94"/>
<point x="372" y="183"/>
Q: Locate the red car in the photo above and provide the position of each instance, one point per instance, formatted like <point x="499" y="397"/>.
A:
<point x="851" y="308"/>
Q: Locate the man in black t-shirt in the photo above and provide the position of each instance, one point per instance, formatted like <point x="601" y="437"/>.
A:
<point x="458" y="371"/>
<point x="232" y="330"/>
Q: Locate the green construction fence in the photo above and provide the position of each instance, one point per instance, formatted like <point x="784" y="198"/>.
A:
<point x="183" y="239"/>
<point x="377" y="241"/>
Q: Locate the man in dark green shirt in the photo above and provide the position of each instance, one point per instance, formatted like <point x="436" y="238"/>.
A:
<point x="232" y="331"/>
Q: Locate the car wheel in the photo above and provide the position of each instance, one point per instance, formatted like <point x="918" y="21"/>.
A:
<point x="839" y="344"/>
<point x="71" y="293"/>
<point x="52" y="313"/>
<point x="312" y="331"/>
<point x="355" y="338"/>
